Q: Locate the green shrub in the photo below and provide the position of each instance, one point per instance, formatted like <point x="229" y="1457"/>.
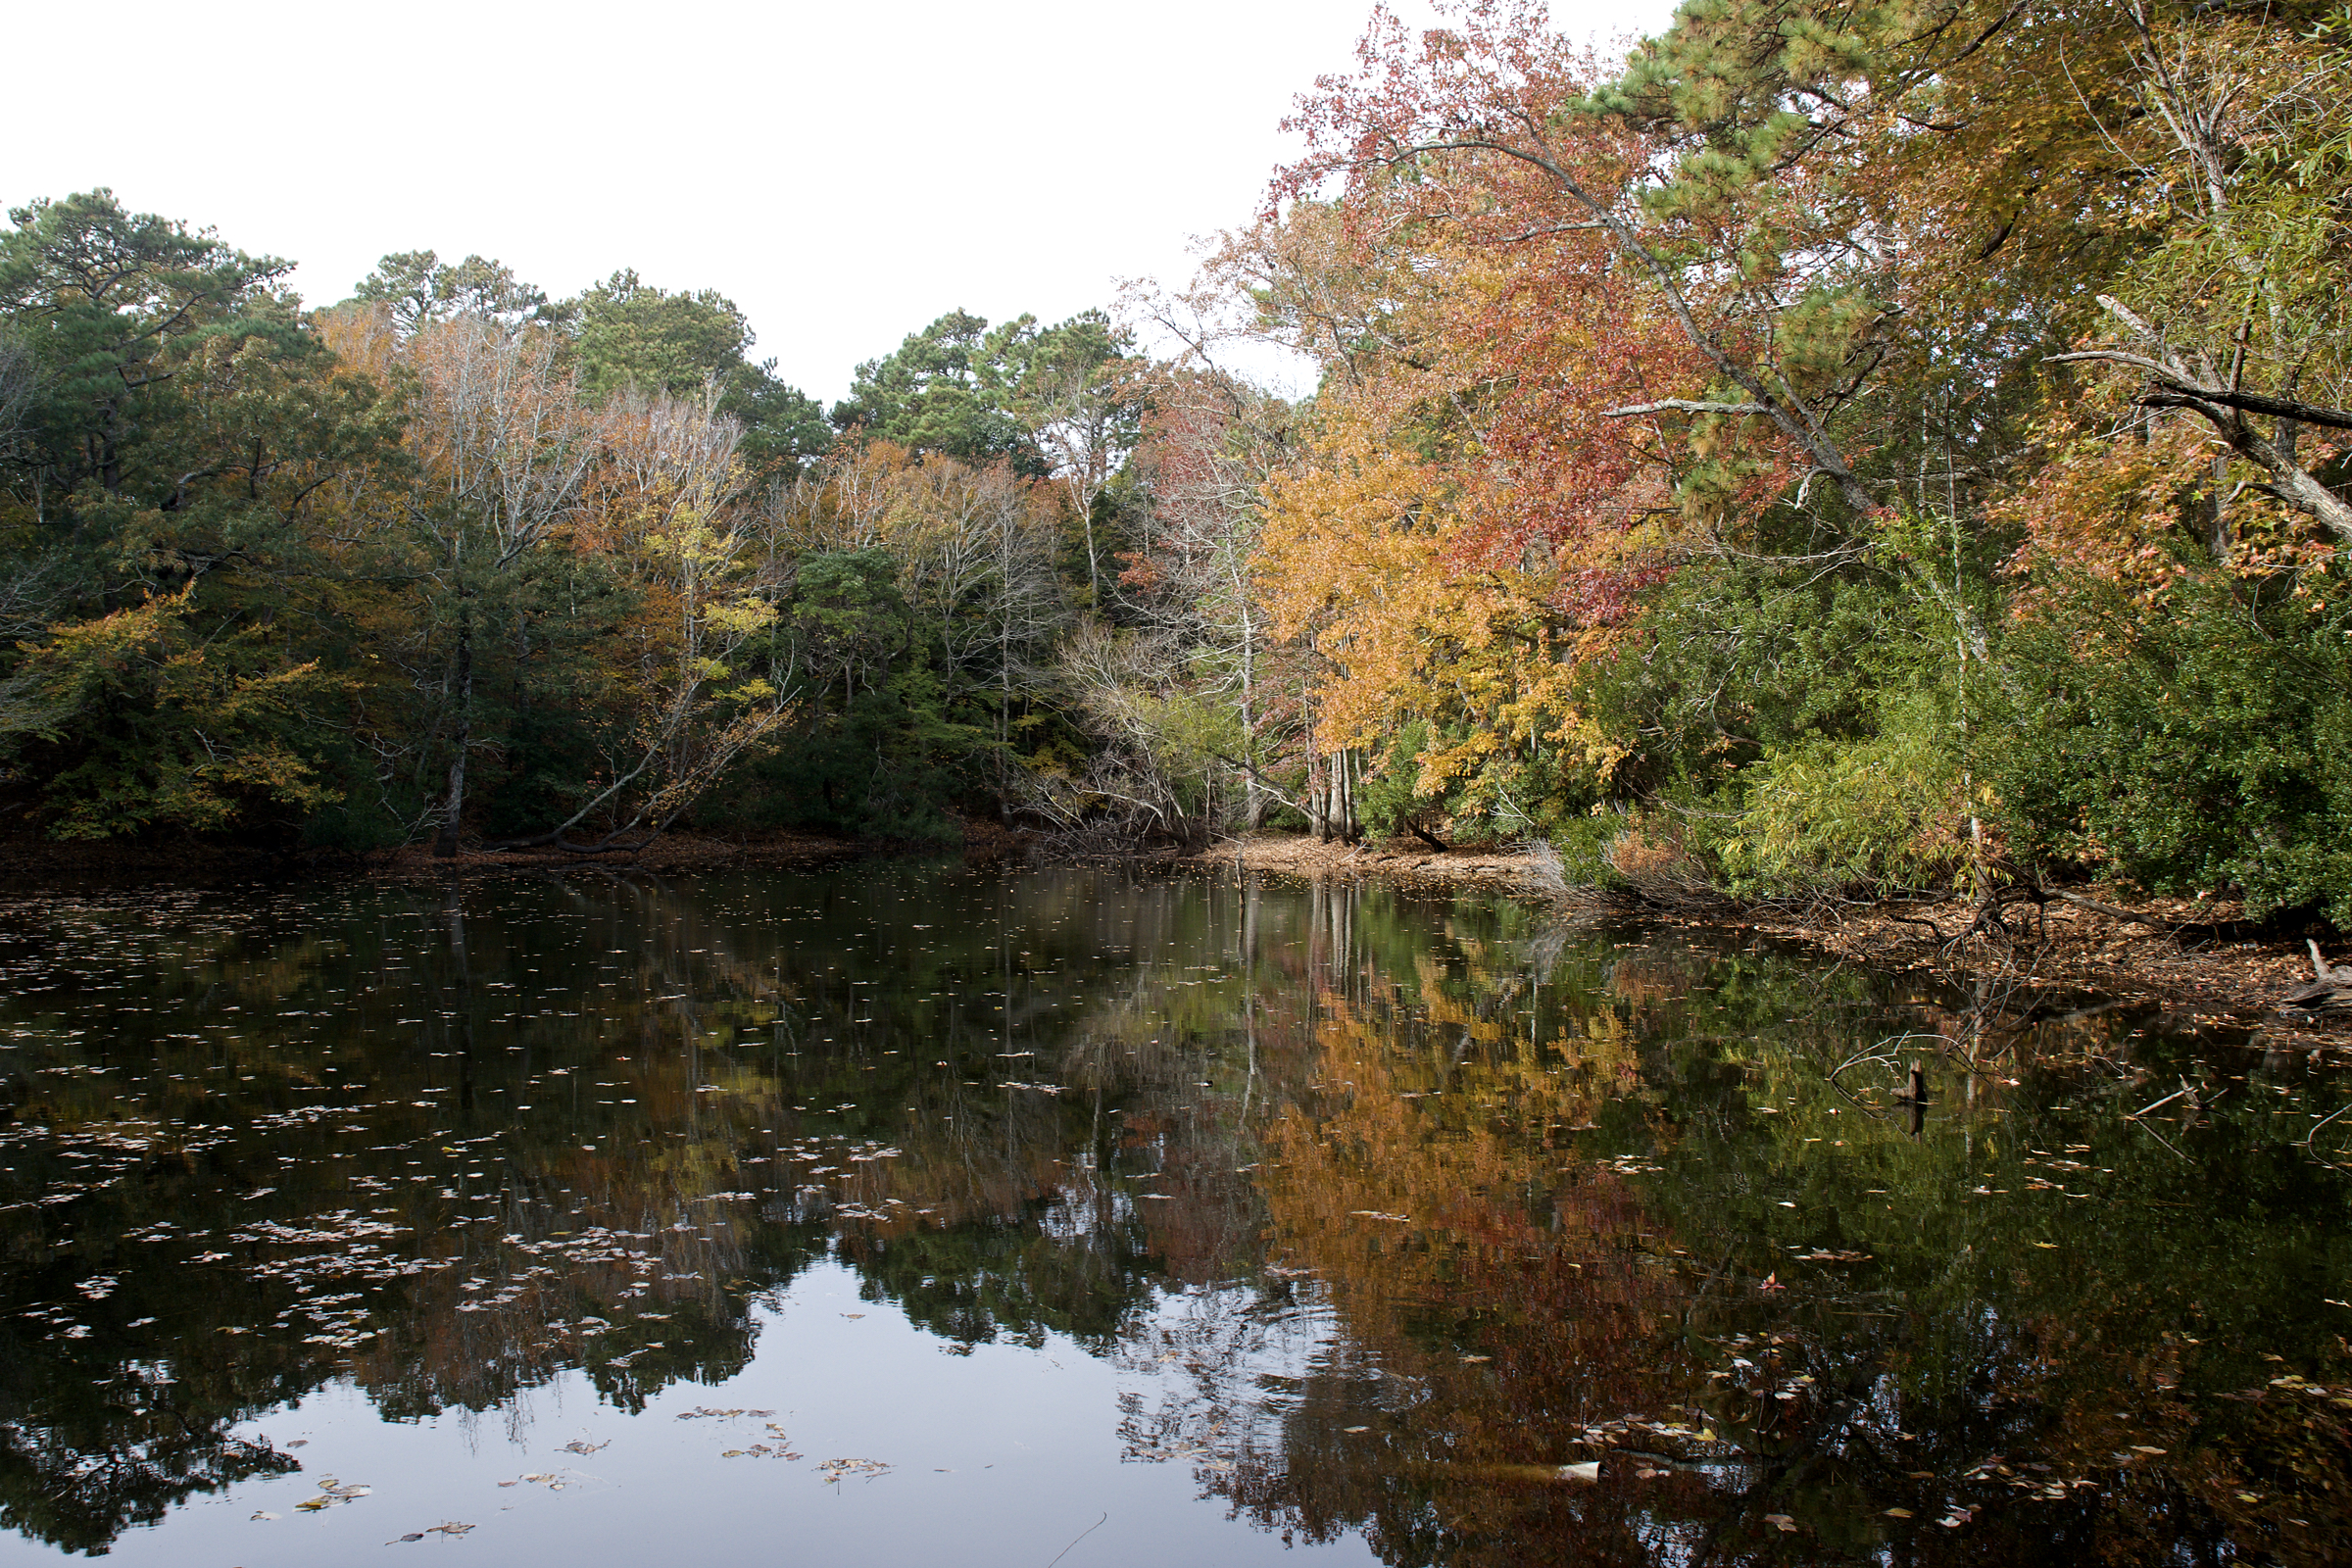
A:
<point x="1869" y="817"/>
<point x="2201" y="743"/>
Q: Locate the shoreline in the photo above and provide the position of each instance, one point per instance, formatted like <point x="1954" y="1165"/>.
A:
<point x="2201" y="961"/>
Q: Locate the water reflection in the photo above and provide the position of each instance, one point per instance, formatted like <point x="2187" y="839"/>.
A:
<point x="1389" y="1212"/>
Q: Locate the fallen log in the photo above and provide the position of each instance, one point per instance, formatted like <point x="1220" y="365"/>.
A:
<point x="2331" y="985"/>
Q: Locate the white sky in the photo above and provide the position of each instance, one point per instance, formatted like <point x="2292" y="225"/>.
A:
<point x="845" y="174"/>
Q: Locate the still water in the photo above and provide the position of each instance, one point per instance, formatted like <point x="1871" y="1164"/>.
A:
<point x="916" y="1214"/>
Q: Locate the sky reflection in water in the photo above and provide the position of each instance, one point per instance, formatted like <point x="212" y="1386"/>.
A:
<point x="1255" y="1221"/>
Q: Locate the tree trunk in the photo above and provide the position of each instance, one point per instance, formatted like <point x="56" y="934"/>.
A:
<point x="1254" y="809"/>
<point x="1004" y="736"/>
<point x="446" y="846"/>
<point x="1350" y="830"/>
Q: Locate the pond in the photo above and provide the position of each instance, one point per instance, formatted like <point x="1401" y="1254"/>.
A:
<point x="905" y="1213"/>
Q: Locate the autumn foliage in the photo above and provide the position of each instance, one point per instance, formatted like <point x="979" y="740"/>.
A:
<point x="1818" y="449"/>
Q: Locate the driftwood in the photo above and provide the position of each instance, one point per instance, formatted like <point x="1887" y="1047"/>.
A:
<point x="2331" y="985"/>
<point x="2111" y="910"/>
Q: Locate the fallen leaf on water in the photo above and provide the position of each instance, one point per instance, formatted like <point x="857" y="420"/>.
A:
<point x="264" y="1514"/>
<point x="2141" y="1448"/>
<point x="582" y="1445"/>
<point x="1780" y="1521"/>
<point x="835" y="1469"/>
<point x="1355" y="1429"/>
<point x="1899" y="1513"/>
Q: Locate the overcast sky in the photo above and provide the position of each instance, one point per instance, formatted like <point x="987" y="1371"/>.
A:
<point x="844" y="172"/>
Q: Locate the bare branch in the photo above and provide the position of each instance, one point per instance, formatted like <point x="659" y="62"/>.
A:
<point x="1684" y="405"/>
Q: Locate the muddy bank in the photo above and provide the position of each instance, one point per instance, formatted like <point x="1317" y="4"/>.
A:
<point x="1402" y="860"/>
<point x="2199" y="960"/>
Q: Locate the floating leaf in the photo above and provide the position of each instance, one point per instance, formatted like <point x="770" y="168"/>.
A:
<point x="835" y="1469"/>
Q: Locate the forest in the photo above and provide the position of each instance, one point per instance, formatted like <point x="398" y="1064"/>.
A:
<point x="1832" y="449"/>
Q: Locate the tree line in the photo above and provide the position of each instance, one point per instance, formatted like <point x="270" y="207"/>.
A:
<point x="1838" y="448"/>
<point x="452" y="562"/>
<point x="1835" y="448"/>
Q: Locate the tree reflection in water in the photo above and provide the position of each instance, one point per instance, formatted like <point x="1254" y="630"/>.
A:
<point x="1390" y="1206"/>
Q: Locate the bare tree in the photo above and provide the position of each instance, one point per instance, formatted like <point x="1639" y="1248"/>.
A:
<point x="507" y="449"/>
<point x="1211" y="443"/>
<point x="666" y="507"/>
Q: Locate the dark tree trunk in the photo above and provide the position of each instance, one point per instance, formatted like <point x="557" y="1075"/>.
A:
<point x="446" y="846"/>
